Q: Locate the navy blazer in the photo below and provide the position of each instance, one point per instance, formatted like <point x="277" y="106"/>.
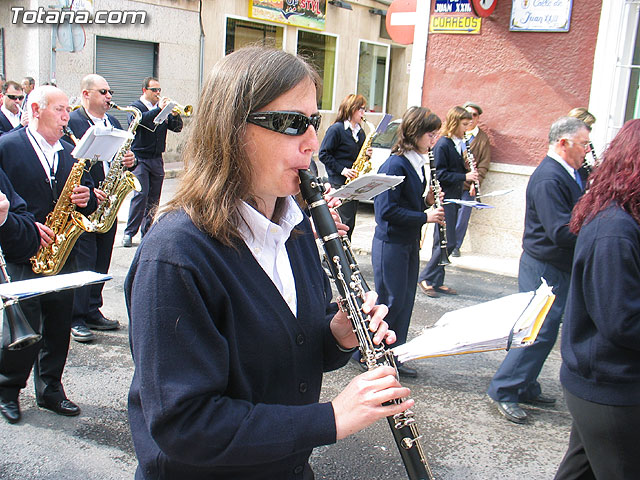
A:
<point x="19" y="235"/>
<point x="5" y="125"/>
<point x="339" y="150"/>
<point x="79" y="123"/>
<point x="400" y="211"/>
<point x="22" y="165"/>
<point x="150" y="142"/>
<point x="551" y="195"/>
<point x="450" y="169"/>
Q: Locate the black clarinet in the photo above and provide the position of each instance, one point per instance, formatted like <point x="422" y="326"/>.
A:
<point x="472" y="162"/>
<point x="588" y="165"/>
<point x="442" y="228"/>
<point x="352" y="288"/>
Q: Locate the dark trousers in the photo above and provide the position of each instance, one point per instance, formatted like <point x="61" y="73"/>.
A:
<point x="604" y="442"/>
<point x="464" y="214"/>
<point x="150" y="174"/>
<point x="433" y="273"/>
<point x="516" y="378"/>
<point x="395" y="272"/>
<point x="348" y="213"/>
<point x="92" y="252"/>
<point x="49" y="315"/>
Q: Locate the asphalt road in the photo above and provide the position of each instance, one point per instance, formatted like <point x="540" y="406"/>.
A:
<point x="463" y="435"/>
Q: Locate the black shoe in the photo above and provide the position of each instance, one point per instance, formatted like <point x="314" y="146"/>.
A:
<point x="456" y="252"/>
<point x="512" y="412"/>
<point x="102" y="323"/>
<point x="540" y="400"/>
<point x="62" y="407"/>
<point x="407" y="372"/>
<point x="126" y="241"/>
<point x="10" y="410"/>
<point x="81" y="334"/>
<point x="361" y="365"/>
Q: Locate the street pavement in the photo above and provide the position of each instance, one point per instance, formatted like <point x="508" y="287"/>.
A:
<point x="463" y="434"/>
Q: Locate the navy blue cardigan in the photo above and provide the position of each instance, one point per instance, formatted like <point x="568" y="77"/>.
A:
<point x="450" y="169"/>
<point x="551" y="196"/>
<point x="150" y="142"/>
<point x="400" y="211"/>
<point x="21" y="164"/>
<point x="227" y="379"/>
<point x="601" y="327"/>
<point x="19" y="235"/>
<point x="339" y="150"/>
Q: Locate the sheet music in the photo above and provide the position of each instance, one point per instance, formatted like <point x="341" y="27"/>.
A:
<point x="164" y="113"/>
<point x="367" y="186"/>
<point x="23" y="289"/>
<point x="468" y="203"/>
<point x="100" y="143"/>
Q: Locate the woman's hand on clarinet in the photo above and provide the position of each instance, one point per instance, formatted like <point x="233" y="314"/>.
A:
<point x="435" y="215"/>
<point x="471" y="176"/>
<point x="343" y="331"/>
<point x="361" y="403"/>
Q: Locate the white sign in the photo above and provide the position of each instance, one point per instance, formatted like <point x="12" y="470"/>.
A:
<point x="540" y="15"/>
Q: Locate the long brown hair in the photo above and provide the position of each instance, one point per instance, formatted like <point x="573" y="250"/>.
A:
<point x="616" y="179"/>
<point x="218" y="174"/>
<point x="416" y="121"/>
<point x="454" y="117"/>
<point x="350" y="105"/>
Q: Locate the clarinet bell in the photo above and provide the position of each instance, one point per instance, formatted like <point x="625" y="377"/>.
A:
<point x="21" y="335"/>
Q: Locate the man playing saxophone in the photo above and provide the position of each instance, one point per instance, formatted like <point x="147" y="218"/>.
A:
<point x="37" y="164"/>
<point x="93" y="250"/>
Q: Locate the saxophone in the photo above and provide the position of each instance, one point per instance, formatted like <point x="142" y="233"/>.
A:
<point x="118" y="181"/>
<point x="362" y="162"/>
<point x="352" y="288"/>
<point x="67" y="225"/>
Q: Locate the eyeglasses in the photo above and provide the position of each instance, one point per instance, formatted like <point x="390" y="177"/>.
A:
<point x="155" y="89"/>
<point x="288" y="123"/>
<point x="16" y="97"/>
<point x="102" y="91"/>
<point x="586" y="145"/>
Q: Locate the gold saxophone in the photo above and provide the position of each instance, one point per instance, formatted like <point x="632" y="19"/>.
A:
<point x="362" y="162"/>
<point x="67" y="225"/>
<point x="118" y="181"/>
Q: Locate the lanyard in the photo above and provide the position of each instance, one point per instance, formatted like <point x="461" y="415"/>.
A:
<point x="52" y="173"/>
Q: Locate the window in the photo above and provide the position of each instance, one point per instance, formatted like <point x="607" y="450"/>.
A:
<point x="632" y="109"/>
<point x="373" y="72"/>
<point x="241" y="33"/>
<point x="320" y="51"/>
<point x="2" y="51"/>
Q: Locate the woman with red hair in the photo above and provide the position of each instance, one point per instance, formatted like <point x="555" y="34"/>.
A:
<point x="600" y="369"/>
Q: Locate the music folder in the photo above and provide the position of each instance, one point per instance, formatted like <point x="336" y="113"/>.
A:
<point x="100" y="143"/>
<point x="164" y="113"/>
<point x="507" y="322"/>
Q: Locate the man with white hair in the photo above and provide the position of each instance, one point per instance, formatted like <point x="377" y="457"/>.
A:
<point x="37" y="164"/>
<point x="554" y="188"/>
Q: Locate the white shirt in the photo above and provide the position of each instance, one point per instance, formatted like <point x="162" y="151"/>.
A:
<point x="461" y="146"/>
<point x="354" y="129"/>
<point x="418" y="161"/>
<point x="147" y="103"/>
<point x="48" y="154"/>
<point x="474" y="132"/>
<point x="104" y="121"/>
<point x="552" y="153"/>
<point x="14" y="118"/>
<point x="266" y="240"/>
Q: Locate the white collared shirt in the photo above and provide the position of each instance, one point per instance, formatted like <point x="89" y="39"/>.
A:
<point x="14" y="118"/>
<point x="101" y="122"/>
<point x="418" y="161"/>
<point x="354" y="129"/>
<point x="572" y="171"/>
<point x="266" y="241"/>
<point x="461" y="146"/>
<point x="474" y="132"/>
<point x="47" y="154"/>
<point x="147" y="103"/>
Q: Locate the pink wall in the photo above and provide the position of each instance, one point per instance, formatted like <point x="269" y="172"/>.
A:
<point x="522" y="80"/>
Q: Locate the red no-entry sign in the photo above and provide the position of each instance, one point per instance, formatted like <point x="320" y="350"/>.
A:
<point x="401" y="21"/>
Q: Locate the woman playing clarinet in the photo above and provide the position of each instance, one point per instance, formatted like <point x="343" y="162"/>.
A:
<point x="231" y="324"/>
<point x="400" y="215"/>
<point x="451" y="173"/>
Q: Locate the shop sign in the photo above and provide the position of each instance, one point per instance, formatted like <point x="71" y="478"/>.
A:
<point x="540" y="15"/>
<point x="455" y="24"/>
<point x="300" y="13"/>
<point x="452" y="6"/>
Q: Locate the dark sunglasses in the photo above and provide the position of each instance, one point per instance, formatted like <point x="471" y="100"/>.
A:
<point x="155" y="89"/>
<point x="103" y="91"/>
<point x="289" y="123"/>
<point x="16" y="97"/>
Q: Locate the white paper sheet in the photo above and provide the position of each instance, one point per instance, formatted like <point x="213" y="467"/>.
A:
<point x="367" y="186"/>
<point x="38" y="286"/>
